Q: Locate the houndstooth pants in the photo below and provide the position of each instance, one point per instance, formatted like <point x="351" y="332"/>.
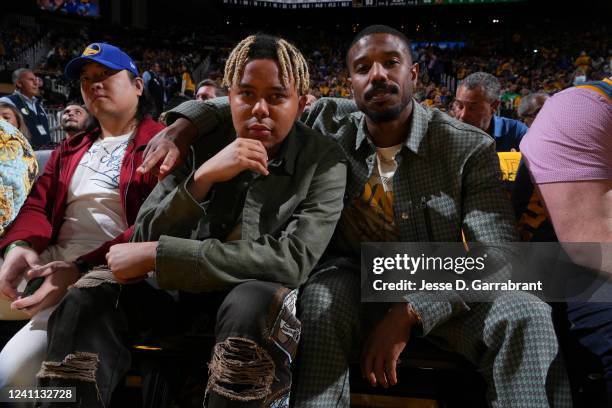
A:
<point x="511" y="340"/>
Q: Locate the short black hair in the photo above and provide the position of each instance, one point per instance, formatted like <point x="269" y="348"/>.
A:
<point x="380" y="29"/>
<point x="264" y="47"/>
<point x="146" y="105"/>
<point x="207" y="82"/>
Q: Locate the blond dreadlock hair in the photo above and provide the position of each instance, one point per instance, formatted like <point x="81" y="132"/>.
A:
<point x="291" y="62"/>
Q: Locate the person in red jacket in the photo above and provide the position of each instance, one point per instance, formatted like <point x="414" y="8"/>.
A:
<point x="85" y="201"/>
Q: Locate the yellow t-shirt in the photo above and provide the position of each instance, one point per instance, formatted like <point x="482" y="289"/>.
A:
<point x="187" y="86"/>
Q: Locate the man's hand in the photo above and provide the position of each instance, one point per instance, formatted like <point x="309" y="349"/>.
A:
<point x="58" y="276"/>
<point x="240" y="155"/>
<point x="386" y="343"/>
<point x="18" y="261"/>
<point x="132" y="262"/>
<point x="169" y="147"/>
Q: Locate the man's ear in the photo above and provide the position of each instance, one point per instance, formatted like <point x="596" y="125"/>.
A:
<point x="301" y="105"/>
<point x="495" y="105"/>
<point x="139" y="84"/>
<point x="414" y="73"/>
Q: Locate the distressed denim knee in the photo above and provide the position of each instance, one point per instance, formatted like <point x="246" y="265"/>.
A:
<point x="257" y="335"/>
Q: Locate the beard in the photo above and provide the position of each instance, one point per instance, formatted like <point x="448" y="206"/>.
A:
<point x="71" y="127"/>
<point x="386" y="115"/>
<point x="389" y="114"/>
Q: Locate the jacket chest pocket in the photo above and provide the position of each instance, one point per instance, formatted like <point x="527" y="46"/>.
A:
<point x="222" y="212"/>
<point x="437" y="218"/>
<point x="278" y="208"/>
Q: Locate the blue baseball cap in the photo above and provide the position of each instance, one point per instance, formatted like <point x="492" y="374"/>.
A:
<point x="102" y="53"/>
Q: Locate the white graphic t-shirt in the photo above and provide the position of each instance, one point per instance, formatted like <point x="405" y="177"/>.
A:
<point x="94" y="213"/>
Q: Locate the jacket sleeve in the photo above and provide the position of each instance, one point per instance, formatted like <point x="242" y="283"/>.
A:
<point x="206" y="116"/>
<point x="488" y="224"/>
<point x="170" y="209"/>
<point x="286" y="257"/>
<point x="328" y="110"/>
<point x="34" y="224"/>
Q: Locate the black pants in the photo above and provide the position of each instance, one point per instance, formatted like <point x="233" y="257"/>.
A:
<point x="591" y="326"/>
<point x="256" y="332"/>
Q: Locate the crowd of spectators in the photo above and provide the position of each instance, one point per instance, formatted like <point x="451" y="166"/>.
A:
<point x="176" y="51"/>
<point x="14" y="39"/>
<point x="71" y="7"/>
<point x="525" y="61"/>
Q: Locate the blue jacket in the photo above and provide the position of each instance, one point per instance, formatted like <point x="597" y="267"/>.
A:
<point x="507" y="133"/>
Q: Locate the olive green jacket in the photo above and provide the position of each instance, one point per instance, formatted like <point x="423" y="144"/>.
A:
<point x="285" y="219"/>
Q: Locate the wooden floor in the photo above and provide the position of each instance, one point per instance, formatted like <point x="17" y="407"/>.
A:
<point x="357" y="400"/>
<point x="382" y="401"/>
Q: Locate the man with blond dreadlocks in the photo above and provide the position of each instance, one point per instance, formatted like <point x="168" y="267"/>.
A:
<point x="239" y="226"/>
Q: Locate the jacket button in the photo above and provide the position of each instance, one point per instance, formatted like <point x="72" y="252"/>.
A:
<point x="404" y="215"/>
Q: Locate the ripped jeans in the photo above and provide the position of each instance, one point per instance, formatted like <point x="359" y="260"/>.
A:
<point x="256" y="334"/>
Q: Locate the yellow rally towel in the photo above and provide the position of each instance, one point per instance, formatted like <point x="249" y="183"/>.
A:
<point x="509" y="164"/>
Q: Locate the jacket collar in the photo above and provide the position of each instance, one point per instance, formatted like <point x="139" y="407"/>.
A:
<point x="31" y="100"/>
<point x="285" y="159"/>
<point x="498" y="125"/>
<point x="415" y="139"/>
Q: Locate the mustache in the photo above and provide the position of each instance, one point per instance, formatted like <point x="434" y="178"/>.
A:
<point x="381" y="87"/>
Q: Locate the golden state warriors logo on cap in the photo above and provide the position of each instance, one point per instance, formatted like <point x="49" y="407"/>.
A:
<point x="91" y="49"/>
